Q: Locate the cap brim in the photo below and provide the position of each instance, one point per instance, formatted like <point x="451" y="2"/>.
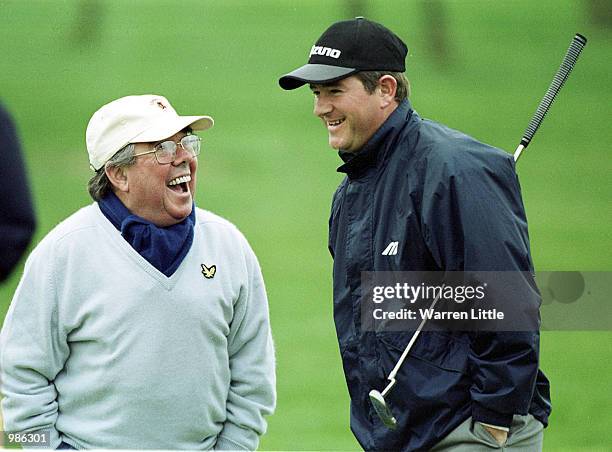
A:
<point x="169" y="127"/>
<point x="314" y="73"/>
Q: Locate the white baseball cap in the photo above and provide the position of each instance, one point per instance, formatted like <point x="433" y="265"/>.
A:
<point x="135" y="119"/>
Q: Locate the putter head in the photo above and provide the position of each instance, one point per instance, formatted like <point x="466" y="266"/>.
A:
<point x="383" y="411"/>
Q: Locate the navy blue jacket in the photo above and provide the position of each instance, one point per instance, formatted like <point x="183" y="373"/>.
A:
<point x="452" y="204"/>
<point x="17" y="220"/>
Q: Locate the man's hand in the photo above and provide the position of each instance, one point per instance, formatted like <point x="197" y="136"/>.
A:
<point x="500" y="435"/>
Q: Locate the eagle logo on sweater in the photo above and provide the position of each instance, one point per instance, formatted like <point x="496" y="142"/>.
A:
<point x="209" y="272"/>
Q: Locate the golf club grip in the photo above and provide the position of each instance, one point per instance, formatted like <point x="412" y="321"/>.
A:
<point x="566" y="67"/>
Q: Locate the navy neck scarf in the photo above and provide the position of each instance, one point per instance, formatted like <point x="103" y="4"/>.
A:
<point x="163" y="247"/>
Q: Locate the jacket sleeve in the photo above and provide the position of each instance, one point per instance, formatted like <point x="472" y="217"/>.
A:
<point x="33" y="350"/>
<point x="17" y="222"/>
<point x="252" y="392"/>
<point x="337" y="200"/>
<point x="474" y="220"/>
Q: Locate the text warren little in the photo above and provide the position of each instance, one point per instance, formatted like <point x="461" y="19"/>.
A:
<point x="431" y="314"/>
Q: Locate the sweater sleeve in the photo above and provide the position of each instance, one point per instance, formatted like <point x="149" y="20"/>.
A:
<point x="475" y="221"/>
<point x="252" y="392"/>
<point x="33" y="350"/>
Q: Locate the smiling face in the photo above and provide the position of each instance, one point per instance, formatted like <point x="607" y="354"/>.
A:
<point x="161" y="194"/>
<point x="351" y="114"/>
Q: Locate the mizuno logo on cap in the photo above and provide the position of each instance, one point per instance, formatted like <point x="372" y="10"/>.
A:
<point x="325" y="51"/>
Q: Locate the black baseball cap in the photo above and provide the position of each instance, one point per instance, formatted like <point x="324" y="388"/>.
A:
<point x="348" y="47"/>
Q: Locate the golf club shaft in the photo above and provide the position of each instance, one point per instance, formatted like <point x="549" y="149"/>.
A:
<point x="571" y="56"/>
<point x="391" y="376"/>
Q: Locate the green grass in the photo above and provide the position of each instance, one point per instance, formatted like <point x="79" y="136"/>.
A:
<point x="266" y="165"/>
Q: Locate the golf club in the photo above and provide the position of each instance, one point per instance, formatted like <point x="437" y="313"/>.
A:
<point x="569" y="60"/>
<point x="377" y="398"/>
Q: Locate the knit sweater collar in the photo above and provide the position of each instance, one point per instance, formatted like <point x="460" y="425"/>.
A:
<point x="163" y="247"/>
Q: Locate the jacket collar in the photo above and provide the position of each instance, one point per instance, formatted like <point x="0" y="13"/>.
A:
<point x="377" y="147"/>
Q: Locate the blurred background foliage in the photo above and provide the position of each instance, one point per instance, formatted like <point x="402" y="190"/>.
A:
<point x="479" y="66"/>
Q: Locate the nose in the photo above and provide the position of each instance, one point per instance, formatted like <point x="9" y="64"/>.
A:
<point x="182" y="156"/>
<point x="322" y="106"/>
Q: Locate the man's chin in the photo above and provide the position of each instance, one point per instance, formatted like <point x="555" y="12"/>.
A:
<point x="178" y="214"/>
<point x="184" y="213"/>
<point x="335" y="144"/>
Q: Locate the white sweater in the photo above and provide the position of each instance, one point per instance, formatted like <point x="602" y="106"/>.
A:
<point x="107" y="352"/>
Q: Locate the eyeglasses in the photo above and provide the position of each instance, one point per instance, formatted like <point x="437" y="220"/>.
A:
<point x="165" y="152"/>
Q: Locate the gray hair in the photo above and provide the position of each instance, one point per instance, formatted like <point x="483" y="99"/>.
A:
<point x="99" y="185"/>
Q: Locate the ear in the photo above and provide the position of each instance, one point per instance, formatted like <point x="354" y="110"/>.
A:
<point x="118" y="177"/>
<point x="387" y="86"/>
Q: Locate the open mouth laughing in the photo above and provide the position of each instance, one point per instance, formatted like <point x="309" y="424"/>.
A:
<point x="179" y="184"/>
<point x="335" y="123"/>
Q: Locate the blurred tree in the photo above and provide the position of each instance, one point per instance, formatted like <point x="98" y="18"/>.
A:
<point x="600" y="12"/>
<point x="436" y="31"/>
<point x="87" y="22"/>
<point x="356" y="8"/>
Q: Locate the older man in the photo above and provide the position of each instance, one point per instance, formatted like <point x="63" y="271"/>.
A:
<point x="419" y="196"/>
<point x="141" y="321"/>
